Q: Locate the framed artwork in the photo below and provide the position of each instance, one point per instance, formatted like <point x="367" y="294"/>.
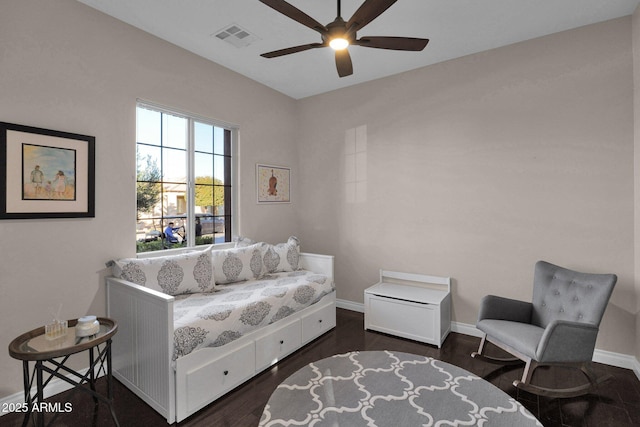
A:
<point x="274" y="184"/>
<point x="46" y="173"/>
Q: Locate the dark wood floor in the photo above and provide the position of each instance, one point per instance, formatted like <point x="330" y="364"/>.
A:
<point x="616" y="404"/>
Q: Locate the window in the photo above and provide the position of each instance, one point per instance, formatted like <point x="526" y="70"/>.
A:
<point x="184" y="180"/>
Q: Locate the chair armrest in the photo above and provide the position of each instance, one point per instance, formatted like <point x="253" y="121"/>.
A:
<point x="567" y="341"/>
<point x="500" y="308"/>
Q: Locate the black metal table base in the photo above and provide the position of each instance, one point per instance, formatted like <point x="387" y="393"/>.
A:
<point x="36" y="407"/>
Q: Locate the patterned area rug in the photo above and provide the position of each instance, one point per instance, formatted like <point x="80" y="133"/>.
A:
<point x="390" y="389"/>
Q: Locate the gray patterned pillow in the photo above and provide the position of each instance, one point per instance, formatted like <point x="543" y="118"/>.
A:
<point x="238" y="264"/>
<point x="172" y="274"/>
<point x="277" y="258"/>
<point x="243" y="242"/>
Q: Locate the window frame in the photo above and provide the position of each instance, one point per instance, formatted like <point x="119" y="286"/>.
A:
<point x="192" y="118"/>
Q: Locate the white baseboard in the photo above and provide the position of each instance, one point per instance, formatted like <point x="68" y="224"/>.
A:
<point x="600" y="356"/>
<point x="466" y="329"/>
<point x="617" y="359"/>
<point x="350" y="305"/>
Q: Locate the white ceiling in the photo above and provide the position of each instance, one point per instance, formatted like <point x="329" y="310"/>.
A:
<point x="455" y="28"/>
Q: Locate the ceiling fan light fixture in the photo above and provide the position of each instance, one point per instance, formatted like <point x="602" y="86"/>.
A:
<point x="340" y="34"/>
<point x="339" y="43"/>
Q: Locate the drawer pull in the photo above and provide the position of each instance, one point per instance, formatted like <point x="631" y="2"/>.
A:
<point x="320" y="321"/>
<point x="281" y="342"/>
<point x="226" y="372"/>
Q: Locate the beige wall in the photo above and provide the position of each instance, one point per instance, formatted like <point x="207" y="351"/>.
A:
<point x="636" y="121"/>
<point x="67" y="67"/>
<point x="473" y="168"/>
<point x="478" y="167"/>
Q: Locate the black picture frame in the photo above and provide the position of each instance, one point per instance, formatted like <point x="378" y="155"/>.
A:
<point x="46" y="173"/>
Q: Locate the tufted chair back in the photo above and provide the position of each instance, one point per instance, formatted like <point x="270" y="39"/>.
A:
<point x="563" y="294"/>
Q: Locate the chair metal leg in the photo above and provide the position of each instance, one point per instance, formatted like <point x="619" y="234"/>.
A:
<point x="531" y="365"/>
<point x="585" y="367"/>
<point x="529" y="368"/>
<point x="497" y="360"/>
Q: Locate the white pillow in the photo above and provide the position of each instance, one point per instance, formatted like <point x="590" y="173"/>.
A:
<point x="172" y="274"/>
<point x="243" y="242"/>
<point x="277" y="258"/>
<point x="238" y="264"/>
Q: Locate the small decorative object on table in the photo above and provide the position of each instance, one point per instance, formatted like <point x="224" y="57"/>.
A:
<point x="87" y="326"/>
<point x="55" y="330"/>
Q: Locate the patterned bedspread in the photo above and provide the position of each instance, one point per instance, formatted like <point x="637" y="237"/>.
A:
<point x="233" y="310"/>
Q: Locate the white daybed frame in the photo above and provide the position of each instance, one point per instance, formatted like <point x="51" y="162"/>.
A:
<point x="143" y="348"/>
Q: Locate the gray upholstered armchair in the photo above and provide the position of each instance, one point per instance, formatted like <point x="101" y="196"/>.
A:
<point x="559" y="326"/>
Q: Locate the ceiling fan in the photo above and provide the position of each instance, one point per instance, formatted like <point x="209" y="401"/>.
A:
<point x="340" y="34"/>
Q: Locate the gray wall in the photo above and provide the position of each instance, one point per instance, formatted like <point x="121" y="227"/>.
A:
<point x="477" y="167"/>
<point x="636" y="121"/>
<point x="473" y="168"/>
<point x="67" y="67"/>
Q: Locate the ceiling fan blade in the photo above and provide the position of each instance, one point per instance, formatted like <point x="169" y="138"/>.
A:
<point x="367" y="12"/>
<point x="393" y="43"/>
<point x="343" y="63"/>
<point x="291" y="50"/>
<point x="295" y="14"/>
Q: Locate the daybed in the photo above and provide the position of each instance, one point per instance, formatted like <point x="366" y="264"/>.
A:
<point x="269" y="301"/>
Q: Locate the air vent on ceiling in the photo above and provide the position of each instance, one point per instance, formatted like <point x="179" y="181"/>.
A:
<point x="235" y="35"/>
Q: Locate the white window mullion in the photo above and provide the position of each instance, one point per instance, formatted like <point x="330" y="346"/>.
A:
<point x="191" y="193"/>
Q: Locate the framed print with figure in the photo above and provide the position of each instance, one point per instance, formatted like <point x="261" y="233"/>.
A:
<point x="46" y="173"/>
<point x="274" y="184"/>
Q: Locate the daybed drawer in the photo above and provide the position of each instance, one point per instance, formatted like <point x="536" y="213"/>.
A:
<point x="214" y="379"/>
<point x="276" y="345"/>
<point x="318" y="322"/>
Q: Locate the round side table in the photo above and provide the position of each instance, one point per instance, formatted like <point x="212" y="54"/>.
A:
<point x="50" y="356"/>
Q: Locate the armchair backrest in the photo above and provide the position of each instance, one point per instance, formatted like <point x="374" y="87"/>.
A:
<point x="563" y="294"/>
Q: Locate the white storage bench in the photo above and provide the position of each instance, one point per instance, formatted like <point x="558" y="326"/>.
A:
<point x="413" y="306"/>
